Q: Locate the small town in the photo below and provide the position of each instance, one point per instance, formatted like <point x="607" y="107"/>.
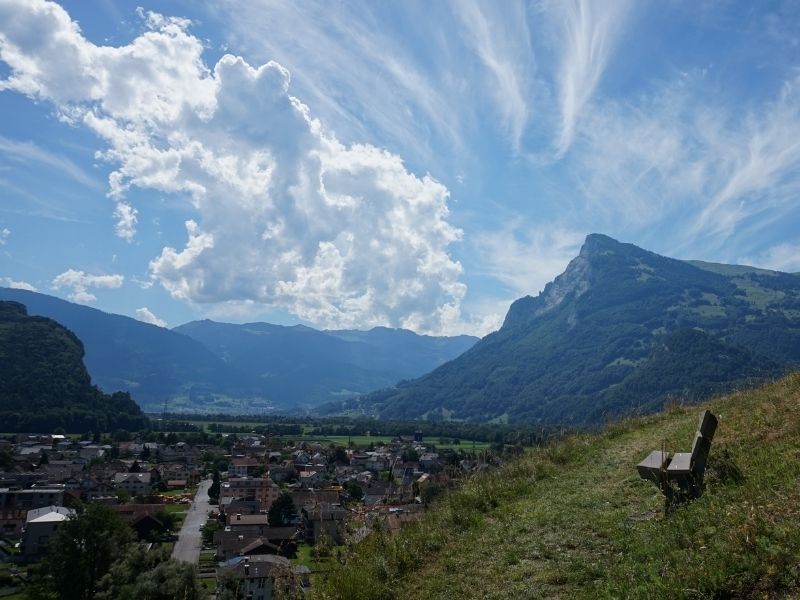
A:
<point x="251" y="513"/>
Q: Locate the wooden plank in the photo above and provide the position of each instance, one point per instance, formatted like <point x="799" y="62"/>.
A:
<point x="708" y="425"/>
<point x="681" y="464"/>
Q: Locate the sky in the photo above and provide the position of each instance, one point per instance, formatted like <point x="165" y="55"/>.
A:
<point x="403" y="164"/>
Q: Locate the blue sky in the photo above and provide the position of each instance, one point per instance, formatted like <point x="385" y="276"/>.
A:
<point x="408" y="164"/>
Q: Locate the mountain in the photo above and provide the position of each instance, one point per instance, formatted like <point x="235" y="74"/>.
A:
<point x="152" y="363"/>
<point x="573" y="519"/>
<point x="622" y="329"/>
<point x="219" y="367"/>
<point x="44" y="383"/>
<point x="303" y="366"/>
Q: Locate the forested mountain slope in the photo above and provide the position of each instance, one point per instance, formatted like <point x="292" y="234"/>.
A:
<point x="621" y="329"/>
<point x="44" y="383"/>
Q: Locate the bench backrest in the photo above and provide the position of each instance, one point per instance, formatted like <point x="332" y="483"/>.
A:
<point x="702" y="441"/>
<point x="708" y="425"/>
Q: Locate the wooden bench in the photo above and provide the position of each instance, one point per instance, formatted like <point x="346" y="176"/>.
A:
<point x="680" y="475"/>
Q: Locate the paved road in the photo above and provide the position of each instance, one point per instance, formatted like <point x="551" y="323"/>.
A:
<point x="190" y="540"/>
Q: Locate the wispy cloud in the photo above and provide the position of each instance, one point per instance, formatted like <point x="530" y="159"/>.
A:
<point x="4" y="233"/>
<point x="526" y="257"/>
<point x="681" y="158"/>
<point x="500" y="37"/>
<point x="337" y="53"/>
<point x="590" y="31"/>
<point x="781" y="257"/>
<point x="29" y="152"/>
<point x="762" y="172"/>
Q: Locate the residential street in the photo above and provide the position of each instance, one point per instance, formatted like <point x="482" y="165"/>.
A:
<point x="189" y="543"/>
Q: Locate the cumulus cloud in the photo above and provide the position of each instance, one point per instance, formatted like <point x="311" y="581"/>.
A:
<point x="4" y="233"/>
<point x="18" y="285"/>
<point x="144" y="314"/>
<point x="286" y="215"/>
<point x="80" y="282"/>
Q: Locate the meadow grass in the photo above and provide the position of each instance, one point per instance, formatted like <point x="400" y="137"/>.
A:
<point x="574" y="520"/>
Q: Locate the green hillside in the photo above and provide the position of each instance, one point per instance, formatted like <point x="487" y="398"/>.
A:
<point x="44" y="383"/>
<point x="591" y="345"/>
<point x="574" y="520"/>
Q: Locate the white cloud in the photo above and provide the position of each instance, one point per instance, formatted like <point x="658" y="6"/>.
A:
<point x="28" y="151"/>
<point x="144" y="314"/>
<point x="782" y="257"/>
<point x="126" y="220"/>
<point x="336" y="53"/>
<point x="527" y="258"/>
<point x="340" y="235"/>
<point x="18" y="285"/>
<point x="80" y="282"/>
<point x="589" y="33"/>
<point x="4" y="233"/>
<point x="681" y="157"/>
<point x="502" y="42"/>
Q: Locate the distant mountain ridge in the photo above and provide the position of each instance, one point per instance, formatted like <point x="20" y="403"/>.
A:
<point x="622" y="329"/>
<point x="219" y="367"/>
<point x="311" y="366"/>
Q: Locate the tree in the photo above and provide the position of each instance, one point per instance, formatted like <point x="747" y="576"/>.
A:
<point x="213" y="490"/>
<point x="135" y="467"/>
<point x="281" y="512"/>
<point x="409" y="455"/>
<point x="355" y="491"/>
<point x="82" y="552"/>
<point x="143" y="575"/>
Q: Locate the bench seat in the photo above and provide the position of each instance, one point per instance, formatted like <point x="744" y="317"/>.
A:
<point x="681" y="464"/>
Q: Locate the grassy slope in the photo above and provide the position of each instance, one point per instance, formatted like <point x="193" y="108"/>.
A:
<point x="575" y="520"/>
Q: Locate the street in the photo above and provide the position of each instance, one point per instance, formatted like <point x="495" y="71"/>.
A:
<point x="187" y="548"/>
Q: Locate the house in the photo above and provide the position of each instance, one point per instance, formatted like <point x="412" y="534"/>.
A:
<point x="257" y="577"/>
<point x="35" y="497"/>
<point x="310" y="479"/>
<point x="328" y="520"/>
<point x="12" y="521"/>
<point x="41" y="525"/>
<point x="148" y="527"/>
<point x="262" y="489"/>
<point x="242" y="466"/>
<point x="304" y="497"/>
<point x="136" y="484"/>
<point x="429" y="461"/>
<point x="285" y="472"/>
<point x="179" y="471"/>
<point x="234" y="540"/>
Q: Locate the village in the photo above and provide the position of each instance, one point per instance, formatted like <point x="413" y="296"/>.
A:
<point x="252" y="512"/>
